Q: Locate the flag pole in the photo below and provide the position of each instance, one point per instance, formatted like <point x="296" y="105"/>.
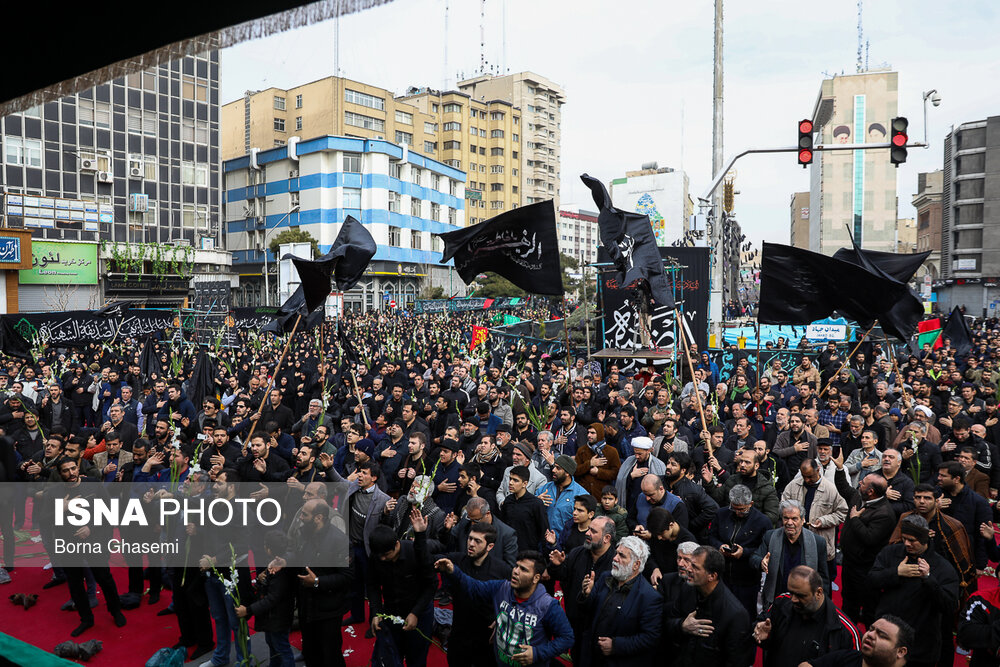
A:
<point x="701" y="411"/>
<point x="270" y="384"/>
<point x="895" y="364"/>
<point x="569" y="357"/>
<point x="847" y="360"/>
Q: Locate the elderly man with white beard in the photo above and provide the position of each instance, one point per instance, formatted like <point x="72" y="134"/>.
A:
<point x="620" y="604"/>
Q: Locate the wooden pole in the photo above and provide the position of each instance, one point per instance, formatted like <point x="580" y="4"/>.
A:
<point x="694" y="382"/>
<point x="847" y="360"/>
<point x="569" y="357"/>
<point x="895" y="364"/>
<point x="270" y="383"/>
<point x="758" y="364"/>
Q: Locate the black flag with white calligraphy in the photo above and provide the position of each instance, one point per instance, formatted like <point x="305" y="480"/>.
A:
<point x="521" y="245"/>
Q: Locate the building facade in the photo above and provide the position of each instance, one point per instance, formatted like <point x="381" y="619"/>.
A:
<point x="400" y="196"/>
<point x="927" y="201"/>
<point x="481" y="137"/>
<point x="853" y="192"/>
<point x="540" y="102"/>
<point x="119" y="186"/>
<point x="906" y="236"/>
<point x="799" y="216"/>
<point x="662" y="194"/>
<point x="579" y="235"/>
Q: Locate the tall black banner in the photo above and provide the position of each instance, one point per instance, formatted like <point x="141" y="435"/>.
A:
<point x="691" y="290"/>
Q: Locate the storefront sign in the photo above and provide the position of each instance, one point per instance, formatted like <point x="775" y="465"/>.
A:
<point x="55" y="263"/>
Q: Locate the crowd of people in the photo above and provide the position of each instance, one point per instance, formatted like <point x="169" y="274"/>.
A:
<point x="623" y="517"/>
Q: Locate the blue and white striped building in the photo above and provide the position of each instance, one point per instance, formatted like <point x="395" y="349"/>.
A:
<point x="313" y="185"/>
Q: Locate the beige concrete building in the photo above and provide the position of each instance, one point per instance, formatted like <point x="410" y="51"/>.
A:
<point x="540" y="101"/>
<point x="854" y="191"/>
<point x="927" y="201"/>
<point x="799" y="228"/>
<point x="481" y="136"/>
<point x="906" y="235"/>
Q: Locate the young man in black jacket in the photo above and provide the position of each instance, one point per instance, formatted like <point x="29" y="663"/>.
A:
<point x="524" y="512"/>
<point x="275" y="604"/>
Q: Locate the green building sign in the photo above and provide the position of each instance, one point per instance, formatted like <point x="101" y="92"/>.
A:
<point x="61" y="264"/>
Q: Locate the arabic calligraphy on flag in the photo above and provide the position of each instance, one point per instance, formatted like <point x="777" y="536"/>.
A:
<point x="479" y="335"/>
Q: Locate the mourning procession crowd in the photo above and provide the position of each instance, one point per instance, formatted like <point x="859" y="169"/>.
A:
<point x="547" y="511"/>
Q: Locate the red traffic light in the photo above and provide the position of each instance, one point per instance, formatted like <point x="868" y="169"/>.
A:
<point x="805" y="157"/>
<point x="899" y="139"/>
<point x="805" y="126"/>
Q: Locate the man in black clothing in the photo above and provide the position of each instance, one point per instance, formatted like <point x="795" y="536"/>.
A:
<point x="261" y="464"/>
<point x="666" y="535"/>
<point x="524" y="512"/>
<point x="886" y="644"/>
<point x="275" y="411"/>
<point x="469" y="641"/>
<point x="803" y="623"/>
<point x="570" y="569"/>
<point x="960" y="502"/>
<point x="400" y="584"/>
<point x="701" y="507"/>
<point x="918" y="585"/>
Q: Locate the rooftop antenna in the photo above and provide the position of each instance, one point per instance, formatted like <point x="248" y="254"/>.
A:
<point x="482" y="37"/>
<point x="861" y="38"/>
<point x="336" y="41"/>
<point x="503" y="34"/>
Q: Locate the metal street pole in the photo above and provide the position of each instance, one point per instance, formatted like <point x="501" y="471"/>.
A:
<point x="263" y="245"/>
<point x="715" y="242"/>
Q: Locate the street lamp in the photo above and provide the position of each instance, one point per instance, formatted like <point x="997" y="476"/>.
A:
<point x="267" y="280"/>
<point x="935" y="99"/>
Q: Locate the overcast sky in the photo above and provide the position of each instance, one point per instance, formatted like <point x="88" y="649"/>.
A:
<point x="633" y="70"/>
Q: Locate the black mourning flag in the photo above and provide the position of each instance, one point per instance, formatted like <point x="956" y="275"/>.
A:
<point x="12" y="343"/>
<point x="521" y="245"/>
<point x="149" y="362"/>
<point x="116" y="309"/>
<point x="347" y="347"/>
<point x="202" y="381"/>
<point x="346" y="263"/>
<point x="628" y="239"/>
<point x="288" y="313"/>
<point x="799" y="287"/>
<point x="957" y="330"/>
<point x="901" y="320"/>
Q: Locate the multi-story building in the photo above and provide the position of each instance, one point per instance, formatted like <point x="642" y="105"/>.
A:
<point x="662" y="194"/>
<point x="400" y="196"/>
<point x="853" y="192"/>
<point x="970" y="218"/>
<point x="540" y="101"/>
<point x="799" y="214"/>
<point x="123" y="177"/>
<point x="927" y="201"/>
<point x="479" y="136"/>
<point x="578" y="232"/>
<point x="906" y="235"/>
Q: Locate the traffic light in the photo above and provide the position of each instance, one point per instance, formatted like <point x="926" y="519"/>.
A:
<point x="897" y="153"/>
<point x="805" y="142"/>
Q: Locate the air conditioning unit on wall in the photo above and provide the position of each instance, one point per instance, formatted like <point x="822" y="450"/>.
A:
<point x="105" y="177"/>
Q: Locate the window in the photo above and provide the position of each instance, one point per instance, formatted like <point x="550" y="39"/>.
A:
<point x="482" y="150"/>
<point x="452" y="127"/>
<point x="496" y="169"/>
<point x="472" y="166"/>
<point x="453" y="108"/>
<point x="482" y="133"/>
<point x="352" y="163"/>
<point x="415" y="239"/>
<point x="394" y="170"/>
<point x="394" y="236"/>
<point x="496" y="205"/>
<point x="149" y="167"/>
<point x="482" y="168"/>
<point x="279" y="124"/>
<point x="457" y="164"/>
<point x="473" y="131"/>
<point x="23" y="151"/>
<point x="436" y="212"/>
<point x="298" y="101"/>
<point x="496" y="152"/>
<point x="194" y="89"/>
<point x="404" y="138"/>
<point x="394" y="198"/>
<point x="516" y="120"/>
<point x="95" y="113"/>
<point x="352" y="197"/>
<point x="436" y="243"/>
<point x="414" y="175"/>
<point x="415" y="205"/>
<point x="496" y="115"/>
<point x="452" y="216"/>
<point x="513" y="154"/>
<point x="435" y="182"/>
<point x="143" y="81"/>
<point x="298" y="122"/>
<point x="194" y="174"/>
<point x="513" y="189"/>
<point x="516" y="138"/>
<point x="367" y="122"/>
<point x="496" y="187"/>
<point x="194" y="130"/>
<point x="472" y="148"/>
<point x="279" y="103"/>
<point x="430" y="146"/>
<point x="405" y="118"/>
<point x="513" y="172"/>
<point x="364" y="99"/>
<point x="496" y="134"/>
<point x="194" y="217"/>
<point x="142" y="122"/>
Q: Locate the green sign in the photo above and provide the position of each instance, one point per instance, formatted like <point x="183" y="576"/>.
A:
<point x="61" y="264"/>
<point x="473" y="194"/>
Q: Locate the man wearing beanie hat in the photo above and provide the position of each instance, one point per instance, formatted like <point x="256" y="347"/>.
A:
<point x="521" y="455"/>
<point x="596" y="464"/>
<point x="916" y="584"/>
<point x="558" y="494"/>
